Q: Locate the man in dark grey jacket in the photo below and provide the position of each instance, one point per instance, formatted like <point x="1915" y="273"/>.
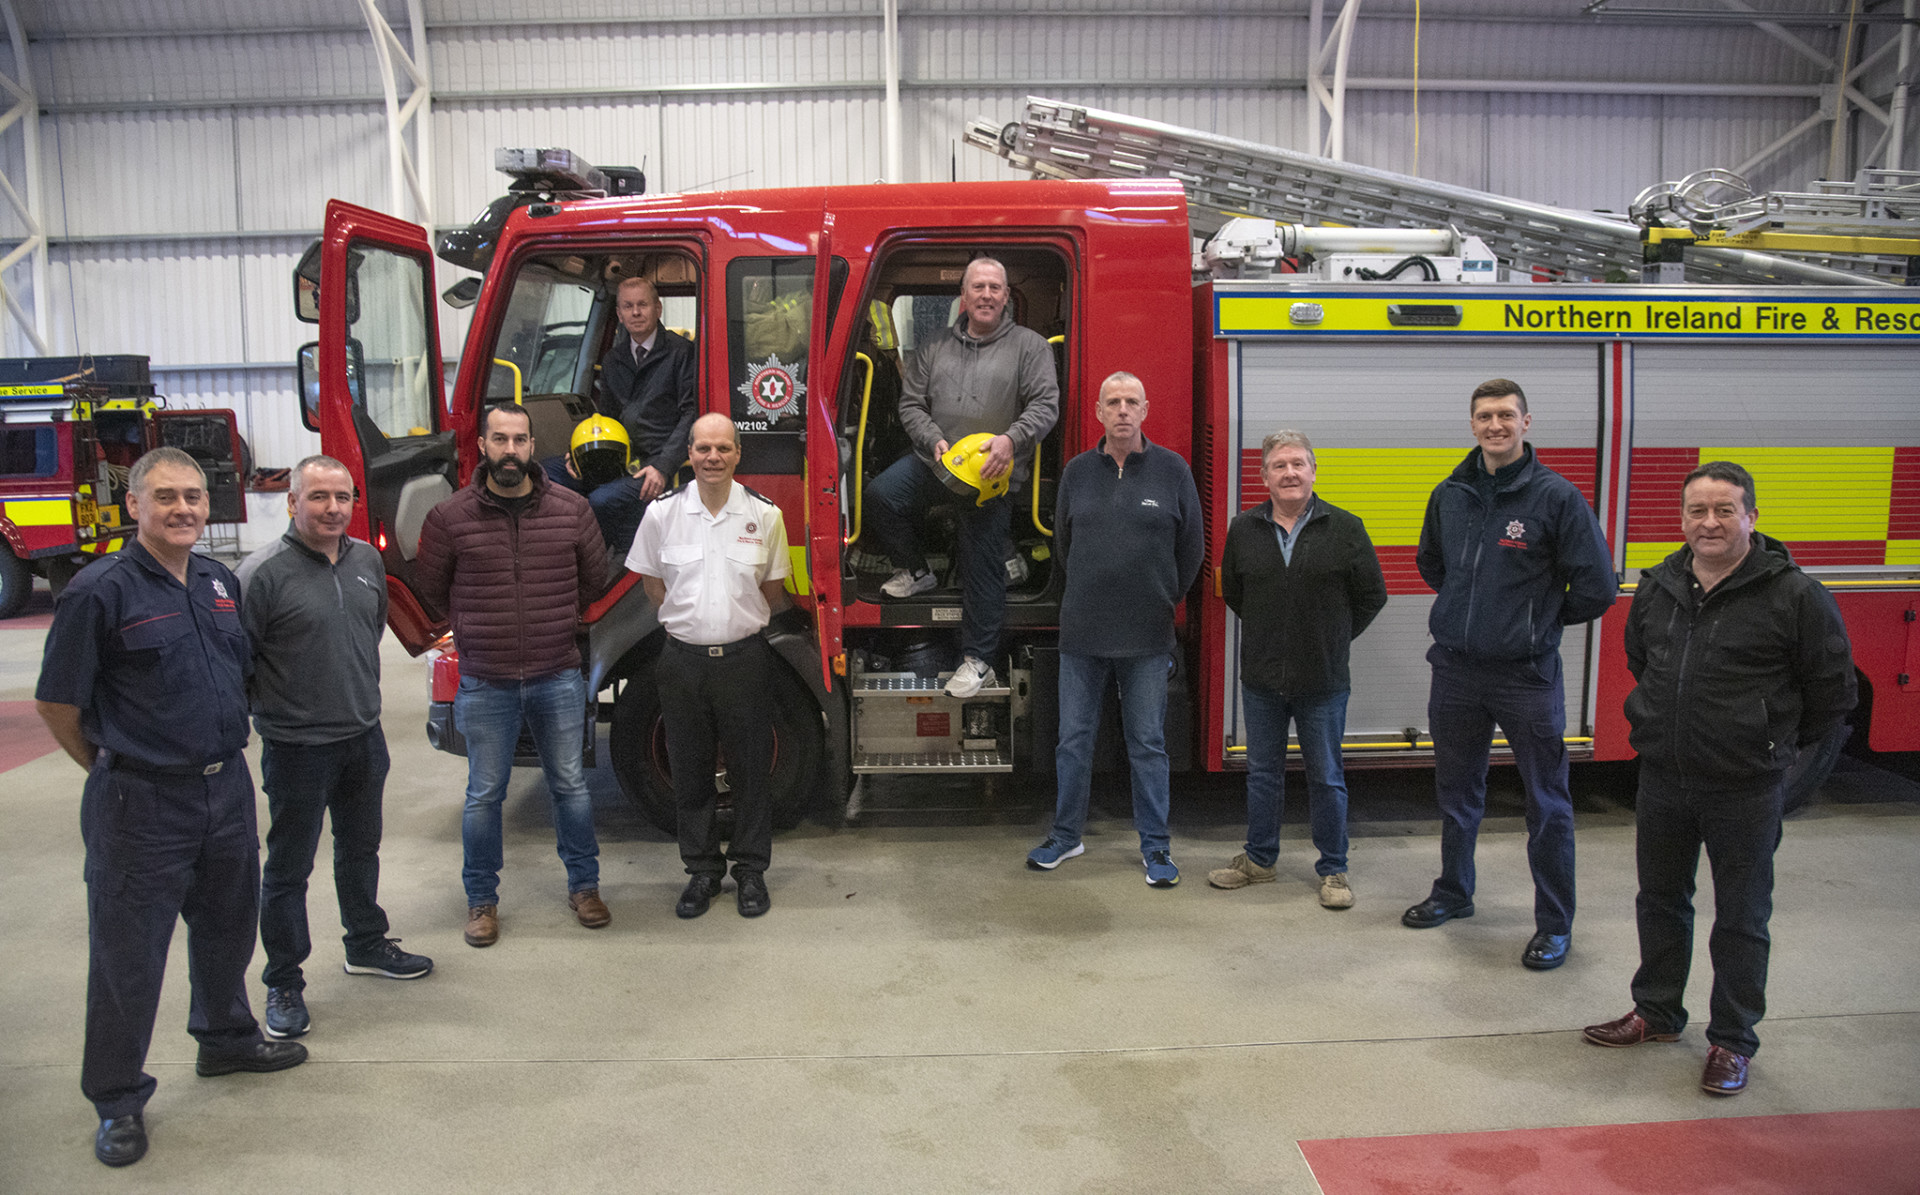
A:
<point x="1128" y="529"/>
<point x="1742" y="661"/>
<point x="1302" y="575"/>
<point x="986" y="374"/>
<point x="315" y="605"/>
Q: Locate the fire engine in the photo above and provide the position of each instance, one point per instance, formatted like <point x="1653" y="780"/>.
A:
<point x="71" y="428"/>
<point x="804" y="302"/>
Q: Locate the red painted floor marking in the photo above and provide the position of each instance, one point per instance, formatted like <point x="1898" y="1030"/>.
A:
<point x="1843" y="1153"/>
<point x="23" y="736"/>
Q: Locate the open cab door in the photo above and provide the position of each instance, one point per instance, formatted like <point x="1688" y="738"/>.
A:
<point x="823" y="471"/>
<point x="372" y="387"/>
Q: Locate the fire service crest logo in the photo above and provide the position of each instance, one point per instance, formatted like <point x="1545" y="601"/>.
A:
<point x="771" y="386"/>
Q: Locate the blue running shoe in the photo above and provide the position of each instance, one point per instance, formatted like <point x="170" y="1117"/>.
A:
<point x="1052" y="853"/>
<point x="1161" y="873"/>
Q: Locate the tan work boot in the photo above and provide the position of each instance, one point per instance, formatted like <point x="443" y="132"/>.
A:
<point x="1334" y="892"/>
<point x="483" y="925"/>
<point x="1239" y="873"/>
<point x="589" y="908"/>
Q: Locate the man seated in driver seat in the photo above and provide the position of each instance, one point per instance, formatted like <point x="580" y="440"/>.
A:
<point x="985" y="375"/>
<point x="649" y="384"/>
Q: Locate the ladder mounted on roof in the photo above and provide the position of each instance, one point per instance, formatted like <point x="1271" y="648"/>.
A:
<point x="1876" y="214"/>
<point x="1225" y="178"/>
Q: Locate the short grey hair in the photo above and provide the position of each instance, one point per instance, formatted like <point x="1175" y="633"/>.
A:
<point x="1286" y="437"/>
<point x="1121" y="375"/>
<point x="316" y="461"/>
<point x="137" y="477"/>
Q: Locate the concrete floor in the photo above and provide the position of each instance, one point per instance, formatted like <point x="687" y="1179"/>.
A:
<point x="919" y="1011"/>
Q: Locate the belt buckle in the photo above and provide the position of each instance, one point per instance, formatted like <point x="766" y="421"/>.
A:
<point x="716" y="651"/>
<point x="212" y="768"/>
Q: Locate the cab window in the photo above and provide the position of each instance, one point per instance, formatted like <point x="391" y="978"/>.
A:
<point x="390" y="328"/>
<point x="562" y="318"/>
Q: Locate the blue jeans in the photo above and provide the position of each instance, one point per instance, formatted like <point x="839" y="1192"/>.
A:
<point x="489" y="714"/>
<point x="305" y="783"/>
<point x="617" y="504"/>
<point x="1528" y="700"/>
<point x="1322" y="719"/>
<point x="1143" y="717"/>
<point x="899" y="498"/>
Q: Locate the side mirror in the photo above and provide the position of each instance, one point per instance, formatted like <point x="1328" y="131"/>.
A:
<point x="306" y="286"/>
<point x="462" y="294"/>
<point x="309" y="370"/>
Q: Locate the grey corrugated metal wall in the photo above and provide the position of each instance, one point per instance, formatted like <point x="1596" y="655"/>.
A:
<point x="189" y="146"/>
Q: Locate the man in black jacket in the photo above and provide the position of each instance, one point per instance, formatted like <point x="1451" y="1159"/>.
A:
<point x="1128" y="528"/>
<point x="649" y="382"/>
<point x="1513" y="554"/>
<point x="1742" y="661"/>
<point x="1302" y="575"/>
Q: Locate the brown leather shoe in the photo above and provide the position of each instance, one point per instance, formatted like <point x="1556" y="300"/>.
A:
<point x="483" y="925"/>
<point x="1726" y="1072"/>
<point x="1629" y="1030"/>
<point x="589" y="908"/>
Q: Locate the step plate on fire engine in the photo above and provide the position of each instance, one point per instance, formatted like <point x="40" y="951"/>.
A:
<point x="942" y="761"/>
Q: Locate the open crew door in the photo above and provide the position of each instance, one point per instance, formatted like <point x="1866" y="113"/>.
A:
<point x="374" y="391"/>
<point x="823" y="468"/>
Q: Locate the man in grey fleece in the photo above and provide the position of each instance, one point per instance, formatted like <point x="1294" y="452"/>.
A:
<point x="987" y="374"/>
<point x="315" y="604"/>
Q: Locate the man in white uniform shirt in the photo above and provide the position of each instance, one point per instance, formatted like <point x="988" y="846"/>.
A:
<point x="712" y="556"/>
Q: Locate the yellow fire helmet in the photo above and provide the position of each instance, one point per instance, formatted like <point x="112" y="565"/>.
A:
<point x="600" y="450"/>
<point x="960" y="468"/>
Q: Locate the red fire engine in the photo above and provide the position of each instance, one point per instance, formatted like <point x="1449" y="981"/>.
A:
<point x="803" y="303"/>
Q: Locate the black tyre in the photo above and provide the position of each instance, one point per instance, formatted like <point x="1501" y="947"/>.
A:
<point x="16" y="583"/>
<point x="638" y="742"/>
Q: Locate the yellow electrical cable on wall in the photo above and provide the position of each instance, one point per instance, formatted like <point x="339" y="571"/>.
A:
<point x="1416" y="89"/>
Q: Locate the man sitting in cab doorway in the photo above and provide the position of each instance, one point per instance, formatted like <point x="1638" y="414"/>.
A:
<point x="986" y="375"/>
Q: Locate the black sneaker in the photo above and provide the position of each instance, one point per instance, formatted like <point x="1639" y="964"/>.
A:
<point x="389" y="960"/>
<point x="287" y="1013"/>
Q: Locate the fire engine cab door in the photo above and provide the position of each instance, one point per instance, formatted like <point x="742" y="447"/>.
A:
<point x="823" y="468"/>
<point x="383" y="406"/>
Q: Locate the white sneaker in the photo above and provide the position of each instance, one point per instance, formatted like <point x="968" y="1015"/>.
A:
<point x="968" y="679"/>
<point x="904" y="584"/>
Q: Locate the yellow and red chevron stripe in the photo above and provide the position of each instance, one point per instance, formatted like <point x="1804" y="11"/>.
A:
<point x="1388" y="489"/>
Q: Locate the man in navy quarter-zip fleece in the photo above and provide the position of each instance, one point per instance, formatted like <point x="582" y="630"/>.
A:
<point x="1128" y="530"/>
<point x="1513" y="553"/>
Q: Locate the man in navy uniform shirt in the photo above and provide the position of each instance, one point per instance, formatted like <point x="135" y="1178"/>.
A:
<point x="144" y="685"/>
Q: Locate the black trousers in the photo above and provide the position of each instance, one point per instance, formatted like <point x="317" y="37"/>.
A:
<point x="713" y="706"/>
<point x="306" y="782"/>
<point x="1741" y="830"/>
<point x="160" y="848"/>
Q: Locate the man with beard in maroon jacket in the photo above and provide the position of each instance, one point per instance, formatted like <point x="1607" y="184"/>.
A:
<point x="514" y="560"/>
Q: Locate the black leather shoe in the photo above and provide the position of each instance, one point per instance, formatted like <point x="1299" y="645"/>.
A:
<point x="752" y="894"/>
<point x="121" y="1141"/>
<point x="260" y="1057"/>
<point x="698" y="894"/>
<point x="1546" y="951"/>
<point x="1434" y="911"/>
<point x="1725" y="1074"/>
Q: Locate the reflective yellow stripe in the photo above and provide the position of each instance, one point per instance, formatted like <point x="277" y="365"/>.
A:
<point x="1817" y="494"/>
<point x="1648" y="555"/>
<point x="44" y="512"/>
<point x="1386" y="487"/>
<point x="797" y="582"/>
<point x="1903" y="551"/>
